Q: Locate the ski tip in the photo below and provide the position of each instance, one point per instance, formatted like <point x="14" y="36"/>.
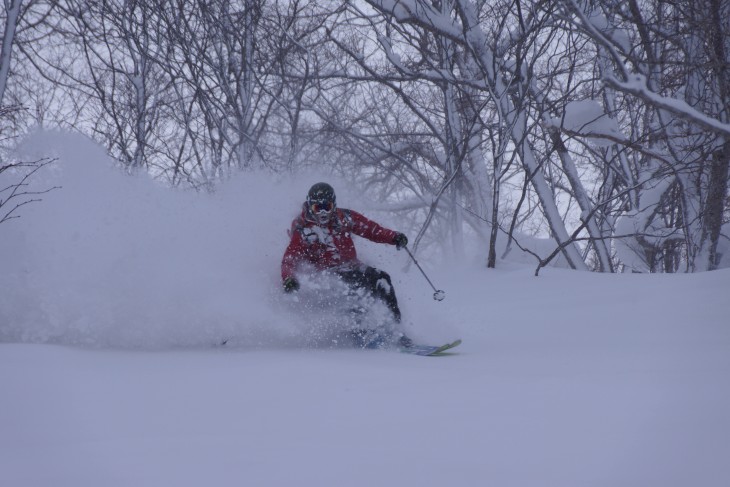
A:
<point x="446" y="347"/>
<point x="430" y="350"/>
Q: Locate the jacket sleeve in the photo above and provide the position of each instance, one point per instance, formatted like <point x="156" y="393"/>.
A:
<point x="294" y="253"/>
<point x="370" y="230"/>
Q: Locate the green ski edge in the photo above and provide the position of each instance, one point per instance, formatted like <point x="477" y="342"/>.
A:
<point x="428" y="350"/>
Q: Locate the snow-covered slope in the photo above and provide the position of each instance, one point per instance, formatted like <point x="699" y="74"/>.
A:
<point x="570" y="379"/>
<point x="113" y="297"/>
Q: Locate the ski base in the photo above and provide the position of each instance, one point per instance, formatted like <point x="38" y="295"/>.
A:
<point x="429" y="350"/>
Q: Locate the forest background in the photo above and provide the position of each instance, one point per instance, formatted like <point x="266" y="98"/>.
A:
<point x="591" y="134"/>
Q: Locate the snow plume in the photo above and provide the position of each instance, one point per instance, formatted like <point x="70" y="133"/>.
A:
<point x="111" y="260"/>
<point x="327" y="311"/>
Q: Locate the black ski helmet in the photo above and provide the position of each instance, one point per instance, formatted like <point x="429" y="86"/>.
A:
<point x="321" y="193"/>
<point x="321" y="203"/>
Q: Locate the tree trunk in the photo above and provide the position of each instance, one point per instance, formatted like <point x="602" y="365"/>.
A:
<point x="11" y="22"/>
<point x="716" y="193"/>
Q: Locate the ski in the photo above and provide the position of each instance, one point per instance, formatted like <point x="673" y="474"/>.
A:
<point x="379" y="344"/>
<point x="429" y="350"/>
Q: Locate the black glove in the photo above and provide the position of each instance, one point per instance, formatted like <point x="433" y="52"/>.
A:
<point x="400" y="240"/>
<point x="290" y="284"/>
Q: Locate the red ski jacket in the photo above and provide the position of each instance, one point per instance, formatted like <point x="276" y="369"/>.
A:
<point x="329" y="246"/>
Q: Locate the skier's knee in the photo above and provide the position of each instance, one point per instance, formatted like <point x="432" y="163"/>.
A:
<point x="383" y="284"/>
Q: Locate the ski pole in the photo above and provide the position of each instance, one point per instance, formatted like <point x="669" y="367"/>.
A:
<point x="438" y="295"/>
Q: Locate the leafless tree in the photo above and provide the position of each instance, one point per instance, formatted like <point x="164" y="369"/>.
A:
<point x="444" y="47"/>
<point x="15" y="190"/>
<point x="463" y="116"/>
<point x="680" y="130"/>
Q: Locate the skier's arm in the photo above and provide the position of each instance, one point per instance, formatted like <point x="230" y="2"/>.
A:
<point x="370" y="230"/>
<point x="292" y="256"/>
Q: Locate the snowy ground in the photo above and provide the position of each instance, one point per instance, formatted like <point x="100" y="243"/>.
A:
<point x="553" y="386"/>
<point x="112" y="297"/>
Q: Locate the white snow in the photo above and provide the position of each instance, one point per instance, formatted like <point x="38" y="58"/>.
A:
<point x="586" y="117"/>
<point x="115" y="290"/>
<point x="637" y="85"/>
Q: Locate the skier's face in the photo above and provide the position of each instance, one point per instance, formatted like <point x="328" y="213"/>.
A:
<point x="322" y="211"/>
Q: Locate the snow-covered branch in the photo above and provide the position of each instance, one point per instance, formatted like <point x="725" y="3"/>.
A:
<point x="637" y="86"/>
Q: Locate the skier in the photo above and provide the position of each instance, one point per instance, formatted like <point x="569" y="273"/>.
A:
<point x="321" y="236"/>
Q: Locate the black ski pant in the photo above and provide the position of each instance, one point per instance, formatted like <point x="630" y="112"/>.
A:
<point x="374" y="281"/>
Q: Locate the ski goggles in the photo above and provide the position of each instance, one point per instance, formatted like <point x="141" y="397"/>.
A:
<point x="322" y="206"/>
